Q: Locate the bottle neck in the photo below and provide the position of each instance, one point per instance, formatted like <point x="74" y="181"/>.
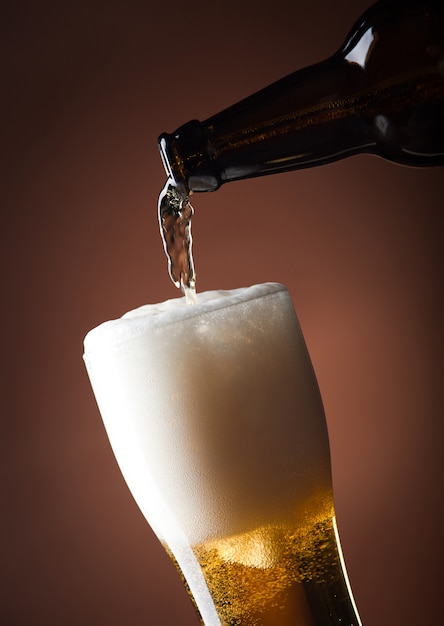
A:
<point x="270" y="131"/>
<point x="303" y="120"/>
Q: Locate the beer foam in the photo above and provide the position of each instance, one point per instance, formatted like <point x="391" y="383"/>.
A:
<point x="213" y="411"/>
<point x="176" y="310"/>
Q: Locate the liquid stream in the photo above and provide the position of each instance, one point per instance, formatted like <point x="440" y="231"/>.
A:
<point x="175" y="213"/>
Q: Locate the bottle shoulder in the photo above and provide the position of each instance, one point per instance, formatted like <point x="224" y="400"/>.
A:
<point x="401" y="29"/>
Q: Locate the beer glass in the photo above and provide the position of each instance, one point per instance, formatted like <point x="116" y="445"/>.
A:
<point x="215" y="418"/>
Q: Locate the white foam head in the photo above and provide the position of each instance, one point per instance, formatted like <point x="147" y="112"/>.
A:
<point x="212" y="410"/>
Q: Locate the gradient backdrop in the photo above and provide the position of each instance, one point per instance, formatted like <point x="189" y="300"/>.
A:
<point x="86" y="89"/>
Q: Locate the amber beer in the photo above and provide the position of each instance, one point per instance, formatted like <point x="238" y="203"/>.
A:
<point x="280" y="574"/>
<point x="216" y="420"/>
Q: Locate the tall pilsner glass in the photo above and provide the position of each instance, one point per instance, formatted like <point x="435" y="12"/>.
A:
<point x="215" y="418"/>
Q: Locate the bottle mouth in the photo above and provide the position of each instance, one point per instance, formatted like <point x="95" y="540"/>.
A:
<point x="172" y="163"/>
<point x="162" y="143"/>
<point x="188" y="160"/>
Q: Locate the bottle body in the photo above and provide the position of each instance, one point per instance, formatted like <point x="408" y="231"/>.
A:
<point x="381" y="93"/>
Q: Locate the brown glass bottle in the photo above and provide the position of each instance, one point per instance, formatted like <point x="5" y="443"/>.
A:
<point x="381" y="93"/>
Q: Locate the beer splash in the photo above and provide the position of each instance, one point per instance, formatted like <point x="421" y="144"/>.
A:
<point x="175" y="213"/>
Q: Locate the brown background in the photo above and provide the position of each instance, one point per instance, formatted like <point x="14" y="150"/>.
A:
<point x="86" y="87"/>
